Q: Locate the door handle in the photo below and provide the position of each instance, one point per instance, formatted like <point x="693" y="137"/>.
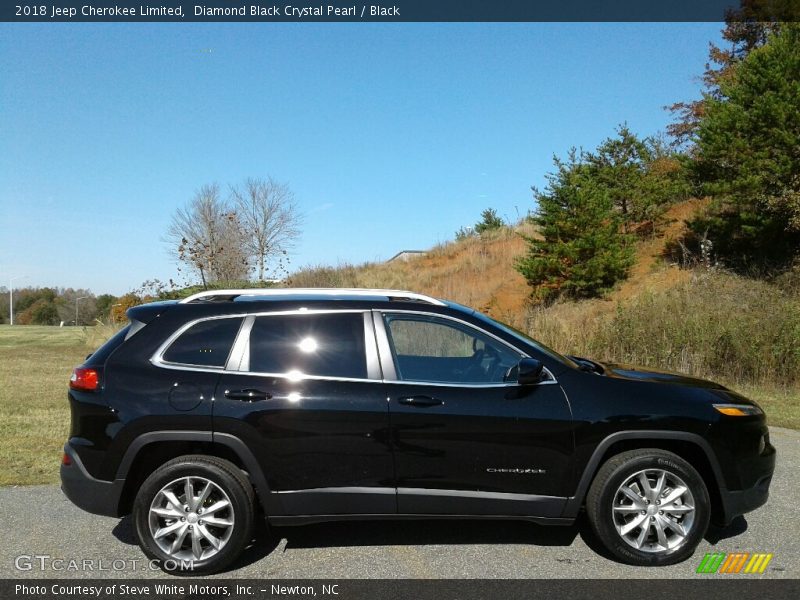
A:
<point x="422" y="401"/>
<point x="247" y="395"/>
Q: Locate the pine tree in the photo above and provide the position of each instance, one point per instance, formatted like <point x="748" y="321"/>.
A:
<point x="582" y="252"/>
<point x="745" y="30"/>
<point x="747" y="155"/>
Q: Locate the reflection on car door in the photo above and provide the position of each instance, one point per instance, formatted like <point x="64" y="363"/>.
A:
<point x="308" y="400"/>
<point x="467" y="439"/>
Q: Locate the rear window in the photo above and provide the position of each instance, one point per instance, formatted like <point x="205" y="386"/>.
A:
<point x="100" y="356"/>
<point x="205" y="344"/>
<point x="326" y="345"/>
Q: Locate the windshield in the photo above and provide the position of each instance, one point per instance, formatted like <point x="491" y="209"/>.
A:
<point x="528" y="340"/>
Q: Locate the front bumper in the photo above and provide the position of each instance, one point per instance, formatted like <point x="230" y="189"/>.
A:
<point x="739" y="502"/>
<point x="90" y="494"/>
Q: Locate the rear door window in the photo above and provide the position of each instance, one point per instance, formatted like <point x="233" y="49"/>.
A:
<point x="205" y="344"/>
<point x="325" y="345"/>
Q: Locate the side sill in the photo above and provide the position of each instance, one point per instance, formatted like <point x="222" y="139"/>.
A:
<point x="311" y="519"/>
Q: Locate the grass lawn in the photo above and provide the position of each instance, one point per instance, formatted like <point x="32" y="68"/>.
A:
<point x="35" y="365"/>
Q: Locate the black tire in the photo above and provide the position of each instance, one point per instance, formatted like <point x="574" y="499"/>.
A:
<point x="230" y="480"/>
<point x="617" y="471"/>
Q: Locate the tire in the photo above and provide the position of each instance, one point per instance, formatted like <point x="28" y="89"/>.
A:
<point x="629" y="527"/>
<point x="213" y="528"/>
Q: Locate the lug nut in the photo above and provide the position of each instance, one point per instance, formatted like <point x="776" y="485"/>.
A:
<point x="200" y="522"/>
<point x="661" y="512"/>
<point x="644" y="512"/>
<point x="186" y="508"/>
<point x="183" y="518"/>
<point x="199" y="511"/>
<point x="658" y="502"/>
<point x="190" y="527"/>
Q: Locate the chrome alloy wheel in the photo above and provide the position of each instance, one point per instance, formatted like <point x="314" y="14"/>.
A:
<point x="191" y="518"/>
<point x="653" y="510"/>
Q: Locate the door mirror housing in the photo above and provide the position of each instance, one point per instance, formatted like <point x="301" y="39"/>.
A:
<point x="529" y="371"/>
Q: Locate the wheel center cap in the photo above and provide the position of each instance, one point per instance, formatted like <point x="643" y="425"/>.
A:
<point x="192" y="518"/>
<point x="651" y="510"/>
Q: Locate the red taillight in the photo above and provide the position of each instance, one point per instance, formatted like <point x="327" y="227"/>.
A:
<point x="66" y="460"/>
<point x="84" y="379"/>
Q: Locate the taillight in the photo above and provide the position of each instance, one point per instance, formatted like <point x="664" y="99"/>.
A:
<point x="66" y="460"/>
<point x="83" y="379"/>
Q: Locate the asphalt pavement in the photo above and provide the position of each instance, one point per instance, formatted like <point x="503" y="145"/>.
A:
<point x="44" y="535"/>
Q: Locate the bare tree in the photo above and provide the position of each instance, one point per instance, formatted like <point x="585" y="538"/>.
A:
<point x="207" y="236"/>
<point x="269" y="219"/>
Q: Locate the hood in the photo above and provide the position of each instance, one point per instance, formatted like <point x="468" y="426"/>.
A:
<point x="633" y="373"/>
<point x="657" y="376"/>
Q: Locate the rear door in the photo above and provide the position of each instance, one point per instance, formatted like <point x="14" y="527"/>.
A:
<point x="468" y="439"/>
<point x="306" y="396"/>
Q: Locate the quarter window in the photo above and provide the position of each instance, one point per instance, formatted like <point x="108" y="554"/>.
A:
<point x="205" y="344"/>
<point x="428" y="348"/>
<point x="326" y="345"/>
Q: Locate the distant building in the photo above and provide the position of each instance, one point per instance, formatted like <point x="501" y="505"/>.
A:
<point x="406" y="255"/>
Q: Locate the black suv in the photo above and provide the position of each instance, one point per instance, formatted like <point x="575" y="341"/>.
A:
<point x="312" y="405"/>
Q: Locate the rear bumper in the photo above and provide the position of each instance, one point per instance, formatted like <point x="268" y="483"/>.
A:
<point x="90" y="494"/>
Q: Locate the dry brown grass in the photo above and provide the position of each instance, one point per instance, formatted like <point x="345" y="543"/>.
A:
<point x="476" y="272"/>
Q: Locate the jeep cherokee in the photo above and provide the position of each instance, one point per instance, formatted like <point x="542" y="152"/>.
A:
<point x="308" y="405"/>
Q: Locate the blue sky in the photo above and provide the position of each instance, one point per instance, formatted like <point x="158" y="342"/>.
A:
<point x="392" y="136"/>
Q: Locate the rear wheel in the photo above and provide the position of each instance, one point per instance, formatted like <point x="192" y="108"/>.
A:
<point x="648" y="507"/>
<point x="194" y="513"/>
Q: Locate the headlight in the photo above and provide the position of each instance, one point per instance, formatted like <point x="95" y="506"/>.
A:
<point x="738" y="410"/>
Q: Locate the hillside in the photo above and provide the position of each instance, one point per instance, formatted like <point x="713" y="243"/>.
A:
<point x="479" y="271"/>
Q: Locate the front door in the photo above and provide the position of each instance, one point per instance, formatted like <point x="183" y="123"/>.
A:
<point x="306" y="397"/>
<point x="467" y="438"/>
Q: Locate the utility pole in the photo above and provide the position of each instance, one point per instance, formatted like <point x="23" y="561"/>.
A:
<point x="11" y="297"/>
<point x="76" y="308"/>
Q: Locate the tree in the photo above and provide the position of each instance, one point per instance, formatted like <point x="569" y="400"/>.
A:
<point x="582" y="252"/>
<point x="103" y="304"/>
<point x="745" y="30"/>
<point x="747" y="155"/>
<point x="641" y="175"/>
<point x="125" y="302"/>
<point x="489" y="221"/>
<point x="269" y="220"/>
<point x="207" y="237"/>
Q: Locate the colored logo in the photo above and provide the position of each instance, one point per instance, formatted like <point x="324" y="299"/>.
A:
<point x="737" y="562"/>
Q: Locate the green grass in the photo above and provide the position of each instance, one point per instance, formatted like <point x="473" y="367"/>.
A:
<point x="35" y="365"/>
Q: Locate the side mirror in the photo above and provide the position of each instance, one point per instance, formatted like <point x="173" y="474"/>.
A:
<point x="529" y="371"/>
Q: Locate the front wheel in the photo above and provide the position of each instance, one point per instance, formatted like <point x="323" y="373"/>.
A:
<point x="194" y="514"/>
<point x="648" y="507"/>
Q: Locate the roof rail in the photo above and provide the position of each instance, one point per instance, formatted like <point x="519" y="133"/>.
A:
<point x="228" y="295"/>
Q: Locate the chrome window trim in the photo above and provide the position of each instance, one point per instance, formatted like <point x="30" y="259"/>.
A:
<point x="551" y="380"/>
<point x="384" y="348"/>
<point x="381" y="346"/>
<point x="239" y="356"/>
<point x="240" y="349"/>
<point x="374" y="372"/>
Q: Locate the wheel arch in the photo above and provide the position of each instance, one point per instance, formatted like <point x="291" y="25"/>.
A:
<point x="690" y="446"/>
<point x="150" y="450"/>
